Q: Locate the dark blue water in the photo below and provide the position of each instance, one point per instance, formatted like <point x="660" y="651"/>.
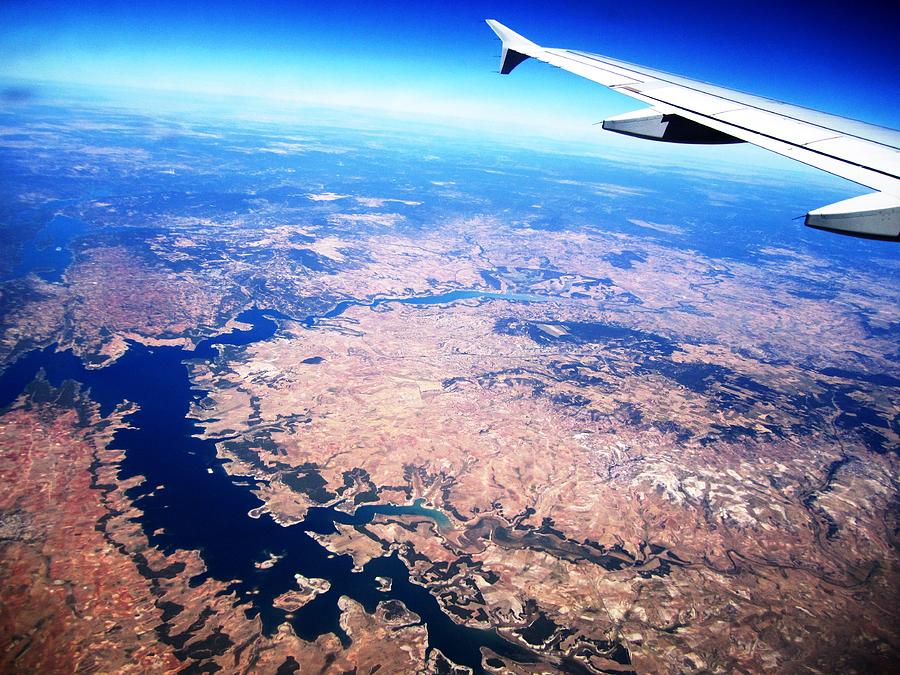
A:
<point x="48" y="253"/>
<point x="203" y="510"/>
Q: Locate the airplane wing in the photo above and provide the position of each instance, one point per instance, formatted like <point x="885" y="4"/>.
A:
<point x="688" y="111"/>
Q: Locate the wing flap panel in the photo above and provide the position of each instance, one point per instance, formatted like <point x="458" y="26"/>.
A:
<point x="775" y="125"/>
<point x="864" y="153"/>
<point x="705" y="104"/>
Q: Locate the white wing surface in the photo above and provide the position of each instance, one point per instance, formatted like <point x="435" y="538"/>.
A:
<point x="688" y="111"/>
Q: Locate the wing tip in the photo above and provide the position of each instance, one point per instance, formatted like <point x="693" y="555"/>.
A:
<point x="509" y="36"/>
<point x="515" y="47"/>
<point x="498" y="27"/>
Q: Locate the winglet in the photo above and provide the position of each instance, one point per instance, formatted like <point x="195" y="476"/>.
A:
<point x="515" y="48"/>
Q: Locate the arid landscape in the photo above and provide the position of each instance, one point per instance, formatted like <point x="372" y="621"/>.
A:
<point x="303" y="427"/>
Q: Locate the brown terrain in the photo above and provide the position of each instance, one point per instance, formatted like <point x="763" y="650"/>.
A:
<point x="624" y="507"/>
<point x="669" y="464"/>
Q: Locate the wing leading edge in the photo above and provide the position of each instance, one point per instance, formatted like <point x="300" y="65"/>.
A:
<point x="688" y="111"/>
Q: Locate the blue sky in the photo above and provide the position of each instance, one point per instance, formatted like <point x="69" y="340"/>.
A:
<point x="440" y="60"/>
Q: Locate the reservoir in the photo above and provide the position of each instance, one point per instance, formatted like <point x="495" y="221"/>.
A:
<point x="201" y="508"/>
<point x="439" y="299"/>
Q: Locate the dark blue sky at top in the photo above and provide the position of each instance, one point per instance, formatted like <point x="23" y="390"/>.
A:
<point x="839" y="57"/>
